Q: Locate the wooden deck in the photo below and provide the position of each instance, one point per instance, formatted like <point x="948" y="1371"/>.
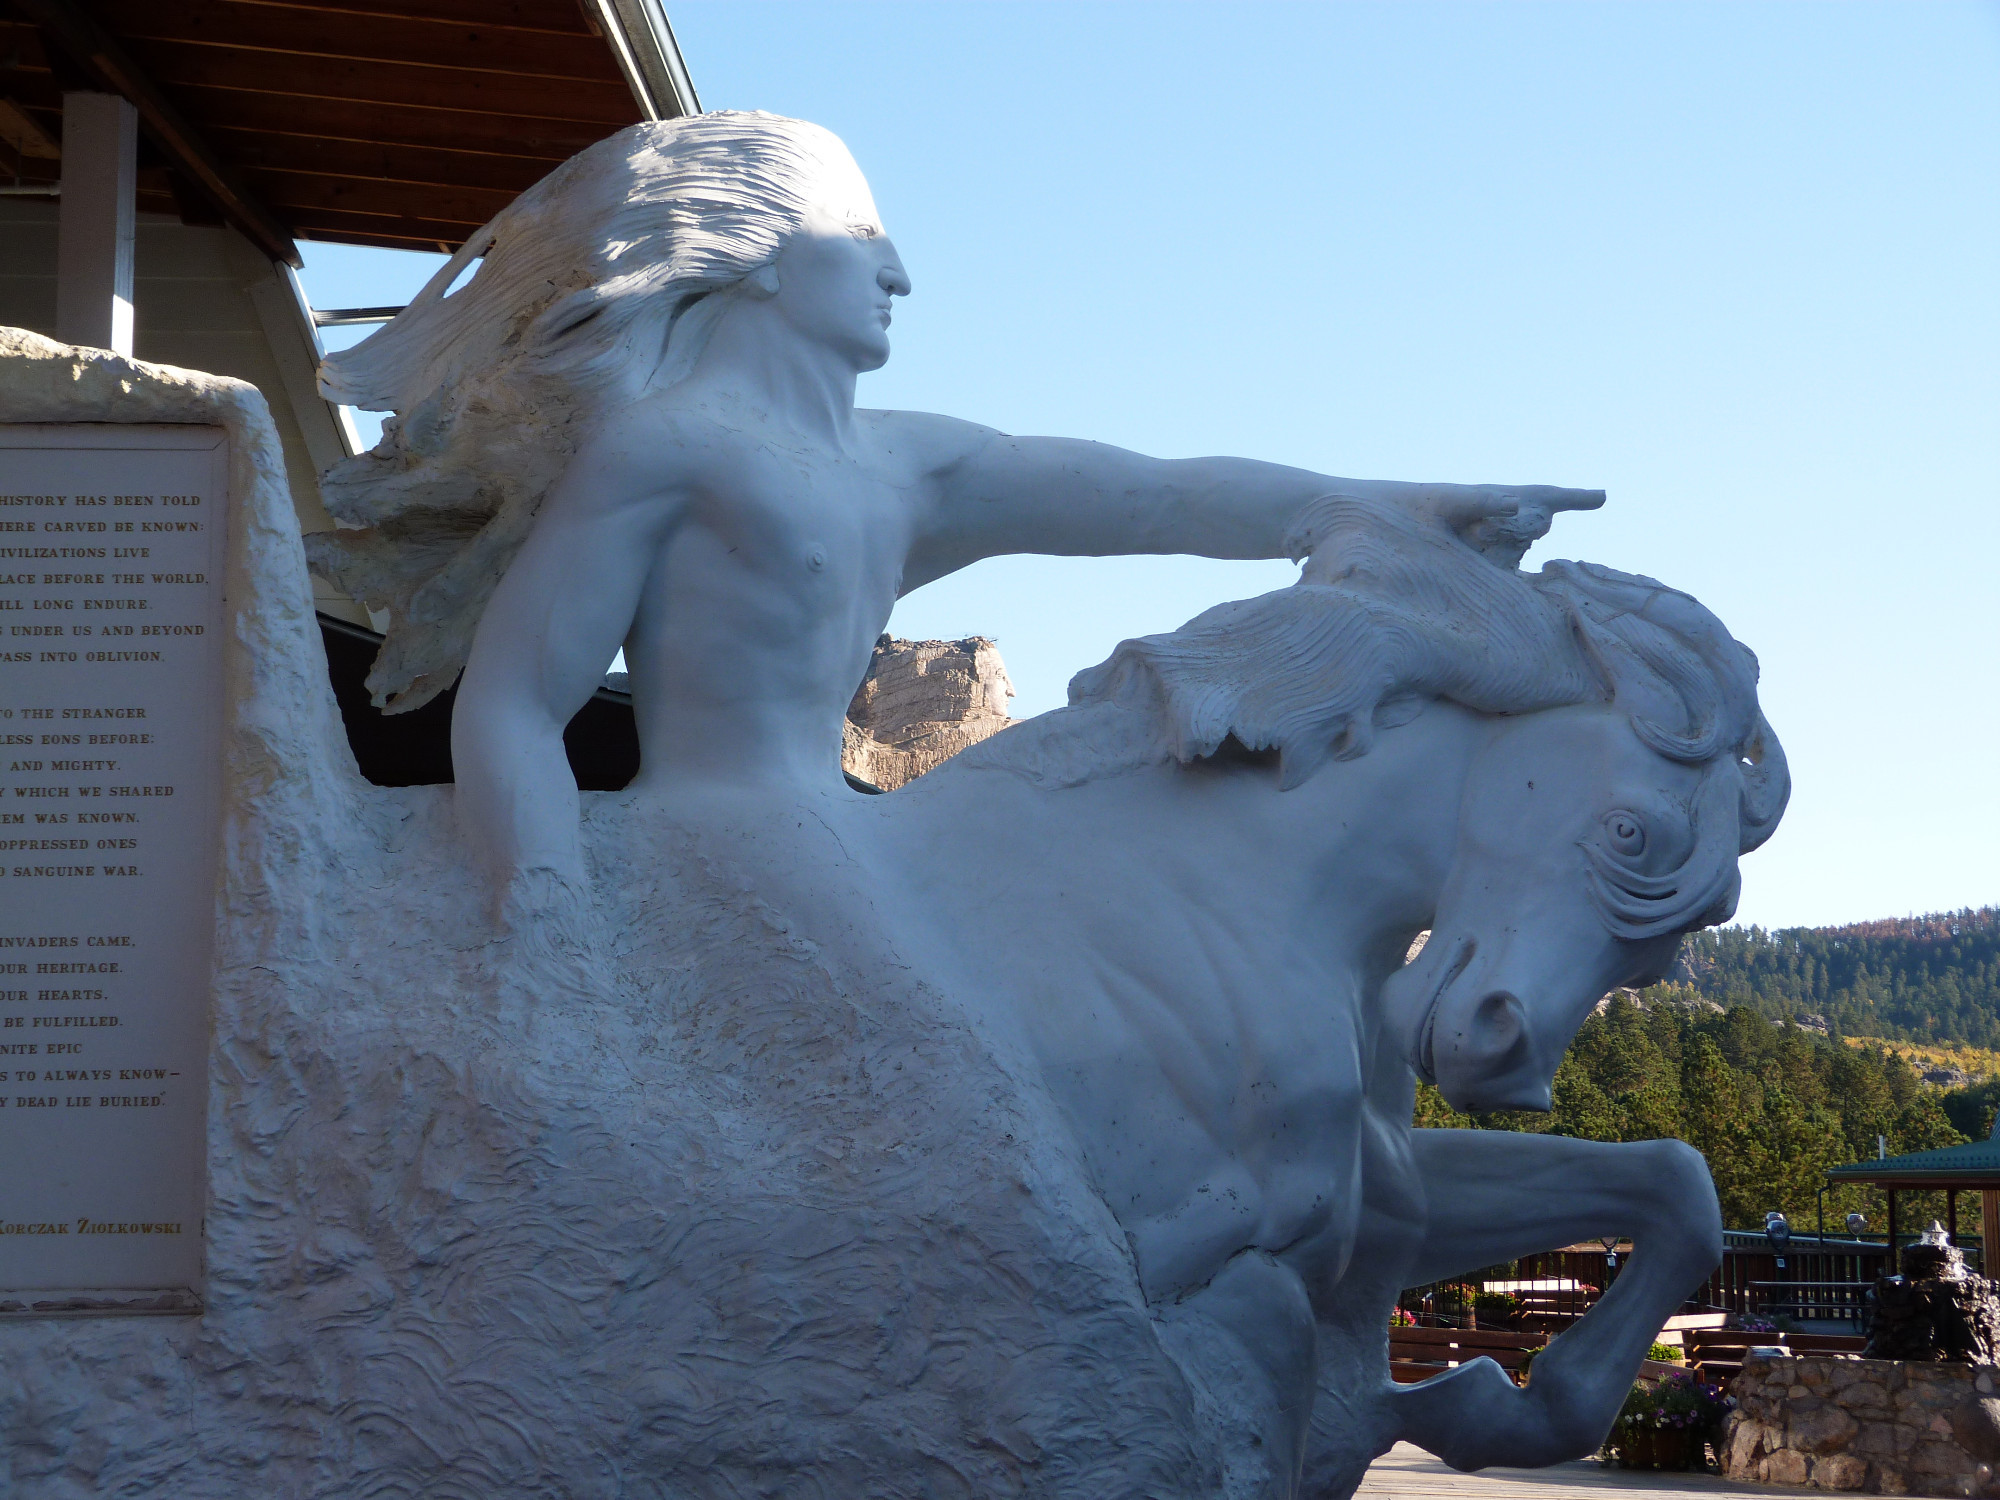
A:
<point x="1409" y="1473"/>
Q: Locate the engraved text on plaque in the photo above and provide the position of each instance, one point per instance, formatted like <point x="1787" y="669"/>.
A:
<point x="111" y="625"/>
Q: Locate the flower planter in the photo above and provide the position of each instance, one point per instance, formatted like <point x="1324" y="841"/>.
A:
<point x="1666" y="1422"/>
<point x="1676" y="1448"/>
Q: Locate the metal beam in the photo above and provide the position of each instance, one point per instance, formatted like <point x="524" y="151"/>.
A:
<point x="98" y="54"/>
<point x="350" y="317"/>
<point x="642" y="39"/>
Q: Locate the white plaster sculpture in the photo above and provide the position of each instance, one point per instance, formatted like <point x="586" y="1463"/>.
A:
<point x="779" y="1139"/>
<point x="635" y="427"/>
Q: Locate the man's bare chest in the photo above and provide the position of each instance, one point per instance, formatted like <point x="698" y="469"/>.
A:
<point x="833" y="518"/>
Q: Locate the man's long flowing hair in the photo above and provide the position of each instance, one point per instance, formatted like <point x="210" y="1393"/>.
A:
<point x="595" y="286"/>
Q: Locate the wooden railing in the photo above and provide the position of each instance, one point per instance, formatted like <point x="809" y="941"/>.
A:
<point x="1820" y="1281"/>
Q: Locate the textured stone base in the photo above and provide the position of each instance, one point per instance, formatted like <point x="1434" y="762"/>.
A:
<point x="1885" y="1427"/>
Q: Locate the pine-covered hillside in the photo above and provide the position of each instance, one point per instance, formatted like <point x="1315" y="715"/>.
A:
<point x="1919" y="979"/>
<point x="1770" y="1106"/>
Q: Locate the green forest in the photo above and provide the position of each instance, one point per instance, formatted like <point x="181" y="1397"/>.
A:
<point x="1916" y="979"/>
<point x="1770" y="1105"/>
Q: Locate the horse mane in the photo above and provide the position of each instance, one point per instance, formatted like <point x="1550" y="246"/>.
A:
<point x="1393" y="609"/>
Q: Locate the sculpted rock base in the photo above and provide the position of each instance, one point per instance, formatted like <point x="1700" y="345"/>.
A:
<point x="685" y="1198"/>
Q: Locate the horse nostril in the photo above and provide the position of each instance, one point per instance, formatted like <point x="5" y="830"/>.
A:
<point x="1499" y="1022"/>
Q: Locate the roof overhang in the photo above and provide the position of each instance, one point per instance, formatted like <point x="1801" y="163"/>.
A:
<point x="399" y="123"/>
<point x="1962" y="1181"/>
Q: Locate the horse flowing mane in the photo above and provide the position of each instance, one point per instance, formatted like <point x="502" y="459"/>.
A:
<point x="1395" y="608"/>
<point x="596" y="285"/>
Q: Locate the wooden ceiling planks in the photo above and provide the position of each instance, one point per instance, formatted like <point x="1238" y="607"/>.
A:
<point x="295" y="30"/>
<point x="329" y="155"/>
<point x="395" y="127"/>
<point x="403" y="123"/>
<point x="28" y="84"/>
<point x="412" y="85"/>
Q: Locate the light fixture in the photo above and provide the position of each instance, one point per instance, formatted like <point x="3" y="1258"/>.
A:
<point x="1779" y="1233"/>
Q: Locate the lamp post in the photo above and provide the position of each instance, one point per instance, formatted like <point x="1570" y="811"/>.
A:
<point x="1779" y="1233"/>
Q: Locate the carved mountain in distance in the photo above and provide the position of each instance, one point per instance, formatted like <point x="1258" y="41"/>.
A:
<point x="921" y="703"/>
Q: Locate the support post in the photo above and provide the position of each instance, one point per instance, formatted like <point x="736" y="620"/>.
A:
<point x="95" y="222"/>
<point x="1951" y="1214"/>
<point x="1989" y="1230"/>
<point x="1892" y="1230"/>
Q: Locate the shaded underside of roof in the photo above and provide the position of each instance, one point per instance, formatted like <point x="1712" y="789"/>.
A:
<point x="1976" y="1164"/>
<point x="405" y="123"/>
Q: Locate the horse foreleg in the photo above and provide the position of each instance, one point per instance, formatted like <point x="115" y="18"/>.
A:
<point x="1494" y="1196"/>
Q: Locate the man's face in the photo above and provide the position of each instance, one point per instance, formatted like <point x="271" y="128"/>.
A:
<point x="836" y="277"/>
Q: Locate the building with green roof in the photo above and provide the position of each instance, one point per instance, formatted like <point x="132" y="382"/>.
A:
<point x="1972" y="1167"/>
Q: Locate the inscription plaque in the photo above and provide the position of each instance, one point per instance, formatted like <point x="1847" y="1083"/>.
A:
<point x="111" y="635"/>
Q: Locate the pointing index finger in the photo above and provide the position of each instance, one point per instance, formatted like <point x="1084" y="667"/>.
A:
<point x="1558" y="498"/>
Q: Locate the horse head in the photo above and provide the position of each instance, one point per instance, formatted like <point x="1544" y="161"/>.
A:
<point x="1591" y="838"/>
<point x="1624" y="763"/>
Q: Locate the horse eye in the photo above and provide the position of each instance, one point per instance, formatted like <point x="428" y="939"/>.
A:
<point x="1626" y="833"/>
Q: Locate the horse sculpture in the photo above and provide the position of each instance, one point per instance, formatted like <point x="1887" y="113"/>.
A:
<point x="1554" y="774"/>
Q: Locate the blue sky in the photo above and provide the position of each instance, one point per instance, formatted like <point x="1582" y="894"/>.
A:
<point x="1735" y="264"/>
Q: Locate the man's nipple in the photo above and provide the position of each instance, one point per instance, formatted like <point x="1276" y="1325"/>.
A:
<point x="816" y="558"/>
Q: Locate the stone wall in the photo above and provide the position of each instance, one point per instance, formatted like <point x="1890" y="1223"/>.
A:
<point x="1886" y="1427"/>
<point x="921" y="703"/>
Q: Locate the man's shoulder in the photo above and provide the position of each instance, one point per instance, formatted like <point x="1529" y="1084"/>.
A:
<point x="658" y="418"/>
<point x="652" y="440"/>
<point x="925" y="440"/>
